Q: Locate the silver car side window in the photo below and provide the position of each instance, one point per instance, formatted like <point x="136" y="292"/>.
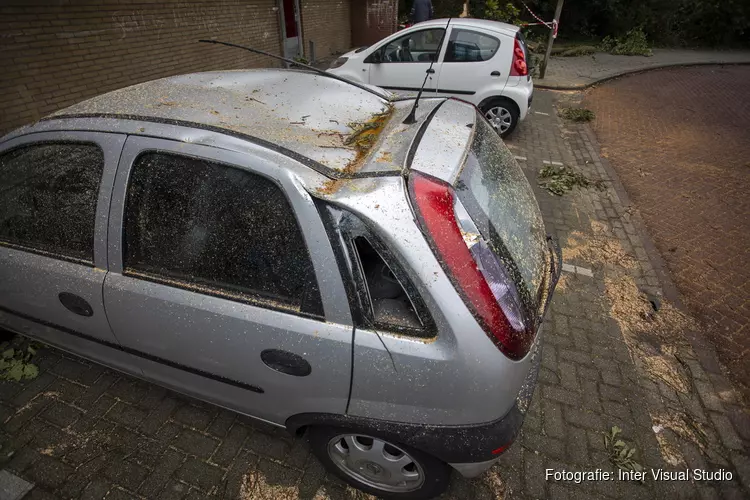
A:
<point x="219" y="230"/>
<point x="48" y="198"/>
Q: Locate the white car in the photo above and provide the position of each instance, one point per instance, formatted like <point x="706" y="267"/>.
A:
<point x="483" y="62"/>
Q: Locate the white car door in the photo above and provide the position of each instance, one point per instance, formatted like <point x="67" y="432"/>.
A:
<point x="401" y="64"/>
<point x="474" y="60"/>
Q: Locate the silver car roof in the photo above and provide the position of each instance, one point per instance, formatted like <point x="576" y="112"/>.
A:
<point x="303" y="112"/>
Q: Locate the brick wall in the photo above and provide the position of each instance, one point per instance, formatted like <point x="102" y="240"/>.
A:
<point x="327" y="24"/>
<point x="54" y="53"/>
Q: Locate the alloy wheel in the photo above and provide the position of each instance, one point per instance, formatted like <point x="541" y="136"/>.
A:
<point x="376" y="463"/>
<point x="500" y="118"/>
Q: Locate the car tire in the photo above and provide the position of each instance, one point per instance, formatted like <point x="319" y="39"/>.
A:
<point x="502" y="113"/>
<point x="375" y="470"/>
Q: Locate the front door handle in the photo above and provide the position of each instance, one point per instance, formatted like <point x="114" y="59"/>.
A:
<point x="75" y="304"/>
<point x="495" y="73"/>
<point x="430" y="71"/>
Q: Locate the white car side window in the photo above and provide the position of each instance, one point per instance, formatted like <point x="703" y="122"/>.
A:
<point x="470" y="46"/>
<point x="417" y="46"/>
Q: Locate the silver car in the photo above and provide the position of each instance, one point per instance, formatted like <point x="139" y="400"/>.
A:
<point x="282" y="244"/>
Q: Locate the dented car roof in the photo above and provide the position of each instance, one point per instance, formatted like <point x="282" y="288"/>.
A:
<point x="325" y="120"/>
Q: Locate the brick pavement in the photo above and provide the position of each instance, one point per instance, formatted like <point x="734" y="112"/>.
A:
<point x="682" y="150"/>
<point x="567" y="73"/>
<point x="80" y="431"/>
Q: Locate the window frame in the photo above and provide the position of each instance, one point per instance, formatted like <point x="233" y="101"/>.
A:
<point x="256" y="160"/>
<point x="206" y="287"/>
<point x="110" y="145"/>
<point x="349" y="228"/>
<point x="455" y="29"/>
<point x="381" y="49"/>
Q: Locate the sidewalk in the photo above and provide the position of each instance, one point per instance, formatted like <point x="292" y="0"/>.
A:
<point x="569" y="73"/>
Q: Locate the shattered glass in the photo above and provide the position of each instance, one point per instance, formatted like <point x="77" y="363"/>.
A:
<point x="48" y="195"/>
<point x="215" y="226"/>
<point x="500" y="200"/>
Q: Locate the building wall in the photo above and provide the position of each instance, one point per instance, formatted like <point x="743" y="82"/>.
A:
<point x="54" y="53"/>
<point x="327" y="24"/>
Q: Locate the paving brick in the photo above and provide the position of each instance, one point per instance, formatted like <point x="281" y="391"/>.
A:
<point x="128" y="389"/>
<point x="552" y="419"/>
<point x="175" y="490"/>
<point x="193" y="417"/>
<point x="230" y="445"/>
<point x="246" y="462"/>
<point x="222" y="423"/>
<point x="265" y="444"/>
<point x="708" y="395"/>
<point x="61" y="414"/>
<point x="200" y="474"/>
<point x="575" y="356"/>
<point x="727" y="433"/>
<point x="70" y="368"/>
<point x="560" y="395"/>
<point x="568" y="376"/>
<point x="588" y="373"/>
<point x="613" y="394"/>
<point x="158" y="416"/>
<point x="164" y="467"/>
<point x="48" y="472"/>
<point x="96" y="489"/>
<point x="66" y="391"/>
<point x="195" y="443"/>
<point x="582" y="418"/>
<point x="534" y="474"/>
<point x="127" y="474"/>
<point x="95" y="391"/>
<point x="126" y="414"/>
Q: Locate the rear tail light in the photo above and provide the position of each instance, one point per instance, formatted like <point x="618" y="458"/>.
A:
<point x="475" y="271"/>
<point x="518" y="67"/>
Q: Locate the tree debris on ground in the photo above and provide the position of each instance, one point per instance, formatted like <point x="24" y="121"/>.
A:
<point x="621" y="454"/>
<point x="578" y="115"/>
<point x="559" y="180"/>
<point x="15" y="359"/>
<point x="655" y="338"/>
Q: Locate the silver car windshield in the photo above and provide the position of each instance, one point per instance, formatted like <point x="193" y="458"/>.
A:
<point x="501" y="202"/>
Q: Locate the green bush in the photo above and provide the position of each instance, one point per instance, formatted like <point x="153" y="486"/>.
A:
<point x="634" y="43"/>
<point x="577" y="50"/>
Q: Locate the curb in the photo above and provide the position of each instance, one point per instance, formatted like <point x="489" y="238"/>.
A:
<point x="583" y="86"/>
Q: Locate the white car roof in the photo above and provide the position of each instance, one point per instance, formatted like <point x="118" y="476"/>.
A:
<point x="465" y="22"/>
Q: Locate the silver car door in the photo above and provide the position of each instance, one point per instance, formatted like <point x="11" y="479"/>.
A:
<point x="55" y="189"/>
<point x="221" y="280"/>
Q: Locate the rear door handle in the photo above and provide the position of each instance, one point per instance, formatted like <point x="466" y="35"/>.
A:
<point x="430" y="71"/>
<point x="495" y="73"/>
<point x="76" y="304"/>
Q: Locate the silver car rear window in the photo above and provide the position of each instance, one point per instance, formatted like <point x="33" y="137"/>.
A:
<point x="501" y="202"/>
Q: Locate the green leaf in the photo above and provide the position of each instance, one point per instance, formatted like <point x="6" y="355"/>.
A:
<point x="631" y="452"/>
<point x="16" y="372"/>
<point x="31" y="350"/>
<point x="30" y="371"/>
<point x="623" y="452"/>
<point x="3" y="364"/>
<point x="8" y="353"/>
<point x="619" y="443"/>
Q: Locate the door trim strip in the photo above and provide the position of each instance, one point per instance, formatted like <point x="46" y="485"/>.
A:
<point x="135" y="352"/>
